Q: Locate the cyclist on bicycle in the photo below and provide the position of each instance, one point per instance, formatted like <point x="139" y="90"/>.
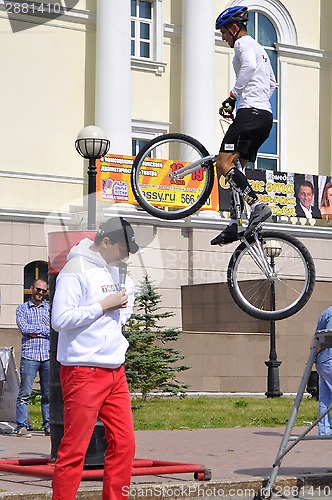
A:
<point x="254" y="86"/>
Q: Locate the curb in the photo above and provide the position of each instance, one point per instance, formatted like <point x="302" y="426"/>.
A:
<point x="284" y="485"/>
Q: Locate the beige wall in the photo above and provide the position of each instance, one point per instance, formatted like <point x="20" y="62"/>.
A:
<point x="225" y="348"/>
<point x="44" y="85"/>
<point x="49" y="95"/>
<point x="175" y="254"/>
<point x="48" y="90"/>
<point x="303" y="14"/>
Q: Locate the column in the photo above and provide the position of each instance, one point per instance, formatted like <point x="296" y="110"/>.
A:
<point x="198" y="113"/>
<point x="113" y="73"/>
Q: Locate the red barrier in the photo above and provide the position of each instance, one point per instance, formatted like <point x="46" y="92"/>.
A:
<point x="42" y="467"/>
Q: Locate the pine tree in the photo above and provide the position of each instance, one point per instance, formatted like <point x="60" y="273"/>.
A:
<point x="150" y="364"/>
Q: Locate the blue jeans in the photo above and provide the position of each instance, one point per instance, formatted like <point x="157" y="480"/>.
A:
<point x="28" y="372"/>
<point x="324" y="370"/>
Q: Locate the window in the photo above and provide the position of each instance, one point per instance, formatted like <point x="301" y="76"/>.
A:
<point x="145" y="131"/>
<point x="141" y="29"/>
<point x="33" y="271"/>
<point x="262" y="30"/>
<point x="147" y="30"/>
<point x="136" y="145"/>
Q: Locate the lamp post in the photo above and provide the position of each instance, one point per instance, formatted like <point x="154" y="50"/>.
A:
<point x="273" y="250"/>
<point x="91" y="143"/>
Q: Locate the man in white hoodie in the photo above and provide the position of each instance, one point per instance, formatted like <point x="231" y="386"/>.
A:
<point x="89" y="309"/>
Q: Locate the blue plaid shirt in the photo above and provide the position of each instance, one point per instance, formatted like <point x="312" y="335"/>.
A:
<point x="34" y="324"/>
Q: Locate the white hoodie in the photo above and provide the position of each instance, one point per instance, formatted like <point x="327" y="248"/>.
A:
<point x="86" y="335"/>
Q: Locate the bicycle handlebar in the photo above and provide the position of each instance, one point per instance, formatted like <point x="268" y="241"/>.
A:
<point x="226" y="112"/>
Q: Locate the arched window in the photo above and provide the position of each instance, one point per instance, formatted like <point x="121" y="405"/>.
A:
<point x="33" y="271"/>
<point x="262" y="30"/>
<point x="272" y="25"/>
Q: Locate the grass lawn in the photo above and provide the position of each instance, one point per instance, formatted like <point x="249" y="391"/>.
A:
<point x="209" y="412"/>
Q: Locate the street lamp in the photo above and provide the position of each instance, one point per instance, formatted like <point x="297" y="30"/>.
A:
<point x="273" y="250"/>
<point x="92" y="143"/>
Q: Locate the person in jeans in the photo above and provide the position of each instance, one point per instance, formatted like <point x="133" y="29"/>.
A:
<point x="89" y="309"/>
<point x="324" y="370"/>
<point x="33" y="321"/>
<point x="252" y="90"/>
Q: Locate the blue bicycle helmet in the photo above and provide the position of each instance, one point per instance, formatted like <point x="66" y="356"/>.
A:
<point x="237" y="15"/>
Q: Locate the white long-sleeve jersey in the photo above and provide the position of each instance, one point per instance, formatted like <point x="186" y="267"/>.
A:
<point x="86" y="335"/>
<point x="255" y="80"/>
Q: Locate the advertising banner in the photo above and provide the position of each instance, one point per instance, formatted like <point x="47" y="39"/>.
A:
<point x="113" y="183"/>
<point x="113" y="179"/>
<point x="288" y="194"/>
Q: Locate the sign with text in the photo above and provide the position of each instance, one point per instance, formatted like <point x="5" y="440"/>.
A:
<point x="113" y="183"/>
<point x="288" y="194"/>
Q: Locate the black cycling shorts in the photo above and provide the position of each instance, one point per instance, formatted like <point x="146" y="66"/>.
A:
<point x="247" y="132"/>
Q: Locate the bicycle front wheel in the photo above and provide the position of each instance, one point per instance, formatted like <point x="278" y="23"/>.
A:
<point x="159" y="194"/>
<point x="275" y="296"/>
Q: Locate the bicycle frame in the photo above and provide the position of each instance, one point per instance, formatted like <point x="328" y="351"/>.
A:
<point x="258" y="254"/>
<point x="192" y="167"/>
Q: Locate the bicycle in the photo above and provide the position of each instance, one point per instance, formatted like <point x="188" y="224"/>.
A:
<point x="270" y="275"/>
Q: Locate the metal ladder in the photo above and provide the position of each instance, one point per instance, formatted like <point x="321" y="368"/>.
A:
<point x="322" y="339"/>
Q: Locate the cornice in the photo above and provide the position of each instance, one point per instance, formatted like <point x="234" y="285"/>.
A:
<point x="10" y="174"/>
<point x="307" y="53"/>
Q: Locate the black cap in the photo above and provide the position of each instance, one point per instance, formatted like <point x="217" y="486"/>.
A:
<point x="119" y="231"/>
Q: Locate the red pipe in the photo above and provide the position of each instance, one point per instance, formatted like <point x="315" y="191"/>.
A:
<point x="142" y="467"/>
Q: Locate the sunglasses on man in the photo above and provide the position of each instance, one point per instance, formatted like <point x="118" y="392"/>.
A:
<point x="40" y="290"/>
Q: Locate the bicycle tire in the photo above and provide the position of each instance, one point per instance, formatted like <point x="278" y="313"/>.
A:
<point x="293" y="284"/>
<point x="145" y="179"/>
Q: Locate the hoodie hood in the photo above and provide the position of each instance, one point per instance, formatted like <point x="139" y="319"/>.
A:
<point x="83" y="249"/>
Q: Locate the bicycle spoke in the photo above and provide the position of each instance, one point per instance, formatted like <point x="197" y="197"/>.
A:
<point x="258" y="255"/>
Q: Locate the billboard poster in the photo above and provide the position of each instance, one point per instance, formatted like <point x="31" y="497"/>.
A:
<point x="113" y="179"/>
<point x="288" y="194"/>
<point x="113" y="183"/>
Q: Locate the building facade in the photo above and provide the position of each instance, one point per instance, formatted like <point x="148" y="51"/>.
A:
<point x="138" y="69"/>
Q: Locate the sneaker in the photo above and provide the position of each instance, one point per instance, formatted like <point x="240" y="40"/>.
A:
<point x="228" y="235"/>
<point x="258" y="215"/>
<point x="47" y="431"/>
<point x="23" y="432"/>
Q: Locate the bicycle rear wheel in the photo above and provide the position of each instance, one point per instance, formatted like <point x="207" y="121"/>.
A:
<point x="276" y="297"/>
<point x="152" y="186"/>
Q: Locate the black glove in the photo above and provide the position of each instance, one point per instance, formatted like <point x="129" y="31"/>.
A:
<point x="227" y="107"/>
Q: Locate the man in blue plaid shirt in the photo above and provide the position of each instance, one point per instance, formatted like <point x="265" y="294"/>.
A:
<point x="33" y="321"/>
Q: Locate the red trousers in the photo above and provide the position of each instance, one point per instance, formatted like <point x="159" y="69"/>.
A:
<point x="89" y="393"/>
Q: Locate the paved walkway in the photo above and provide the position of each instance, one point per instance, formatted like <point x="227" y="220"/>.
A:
<point x="237" y="456"/>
